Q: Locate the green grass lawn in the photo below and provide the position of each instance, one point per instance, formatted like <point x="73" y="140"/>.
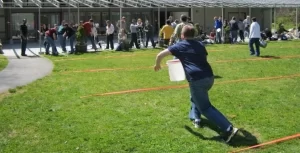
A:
<point x="49" y="115"/>
<point x="3" y="62"/>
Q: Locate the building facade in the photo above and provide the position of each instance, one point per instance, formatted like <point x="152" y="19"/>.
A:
<point x="10" y="18"/>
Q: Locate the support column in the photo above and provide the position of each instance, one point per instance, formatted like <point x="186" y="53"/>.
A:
<point x="158" y="20"/>
<point x="192" y="14"/>
<point x="223" y="24"/>
<point x="274" y="18"/>
<point x="69" y="11"/>
<point x="120" y="17"/>
<point x="78" y="14"/>
<point x="204" y="23"/>
<point x="250" y="12"/>
<point x="39" y="28"/>
<point x="166" y="14"/>
<point x="296" y="18"/>
<point x="271" y="19"/>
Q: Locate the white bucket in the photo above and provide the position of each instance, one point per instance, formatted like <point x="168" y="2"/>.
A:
<point x="176" y="71"/>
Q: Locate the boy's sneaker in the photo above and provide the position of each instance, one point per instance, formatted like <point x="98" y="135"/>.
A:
<point x="227" y="136"/>
<point x="196" y="123"/>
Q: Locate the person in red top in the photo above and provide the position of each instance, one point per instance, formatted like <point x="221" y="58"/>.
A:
<point x="50" y="36"/>
<point x="88" y="32"/>
<point x="212" y="35"/>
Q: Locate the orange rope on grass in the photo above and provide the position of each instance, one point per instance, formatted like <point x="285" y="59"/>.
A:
<point x="184" y="86"/>
<point x="120" y="56"/>
<point x="269" y="143"/>
<point x="136" y="90"/>
<point x="220" y="61"/>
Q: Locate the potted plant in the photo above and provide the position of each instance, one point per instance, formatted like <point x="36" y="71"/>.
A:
<point x="81" y="45"/>
<point x="227" y="35"/>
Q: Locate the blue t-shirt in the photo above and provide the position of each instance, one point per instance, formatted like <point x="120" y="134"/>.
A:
<point x="193" y="57"/>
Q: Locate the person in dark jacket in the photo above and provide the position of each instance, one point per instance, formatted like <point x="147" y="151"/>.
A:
<point x="70" y="35"/>
<point x="149" y="34"/>
<point x="233" y="30"/>
<point x="24" y="37"/>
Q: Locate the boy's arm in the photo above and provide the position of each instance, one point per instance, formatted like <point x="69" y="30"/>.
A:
<point x="159" y="58"/>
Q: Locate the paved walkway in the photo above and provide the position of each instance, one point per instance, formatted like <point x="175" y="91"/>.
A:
<point x="22" y="70"/>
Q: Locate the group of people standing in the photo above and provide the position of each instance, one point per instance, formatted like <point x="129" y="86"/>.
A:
<point x="65" y="32"/>
<point x="232" y="29"/>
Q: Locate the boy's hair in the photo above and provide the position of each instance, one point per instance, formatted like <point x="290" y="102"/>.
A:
<point x="188" y="31"/>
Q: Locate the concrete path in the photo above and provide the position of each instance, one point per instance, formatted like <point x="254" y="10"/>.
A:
<point x="23" y="70"/>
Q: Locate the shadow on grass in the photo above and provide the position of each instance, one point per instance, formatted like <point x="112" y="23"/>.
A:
<point x="217" y="77"/>
<point x="89" y="52"/>
<point x="270" y="56"/>
<point x="242" y="138"/>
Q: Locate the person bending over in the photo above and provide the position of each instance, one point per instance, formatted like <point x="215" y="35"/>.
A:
<point x="50" y="37"/>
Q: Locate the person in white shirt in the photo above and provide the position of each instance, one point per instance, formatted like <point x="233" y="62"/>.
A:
<point x="94" y="33"/>
<point x="247" y="23"/>
<point x="254" y="37"/>
<point x="109" y="35"/>
<point x="173" y="24"/>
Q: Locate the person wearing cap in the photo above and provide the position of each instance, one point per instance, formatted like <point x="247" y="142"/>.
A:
<point x="70" y="35"/>
<point x="60" y="32"/>
<point x="50" y="37"/>
<point x="88" y="30"/>
<point x="24" y="37"/>
<point x="193" y="56"/>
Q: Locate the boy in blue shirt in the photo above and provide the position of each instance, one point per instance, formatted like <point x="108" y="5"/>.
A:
<point x="199" y="74"/>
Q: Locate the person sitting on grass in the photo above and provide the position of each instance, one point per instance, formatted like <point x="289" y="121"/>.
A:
<point x="212" y="35"/>
<point x="123" y="42"/>
<point x="193" y="56"/>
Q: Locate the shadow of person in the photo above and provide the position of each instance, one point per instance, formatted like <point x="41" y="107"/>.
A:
<point x="242" y="138"/>
<point x="217" y="77"/>
<point x="270" y="56"/>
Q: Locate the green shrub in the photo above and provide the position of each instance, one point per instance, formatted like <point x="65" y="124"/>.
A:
<point x="80" y="35"/>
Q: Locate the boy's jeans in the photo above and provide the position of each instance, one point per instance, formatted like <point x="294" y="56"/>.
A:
<point x="199" y="91"/>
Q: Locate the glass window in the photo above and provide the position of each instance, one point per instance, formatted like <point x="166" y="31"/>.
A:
<point x="115" y="17"/>
<point x="17" y="21"/>
<point x="49" y="19"/>
<point x="102" y="24"/>
<point x="146" y="16"/>
<point x="74" y="17"/>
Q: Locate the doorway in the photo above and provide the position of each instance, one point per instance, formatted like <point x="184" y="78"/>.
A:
<point x="162" y="18"/>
